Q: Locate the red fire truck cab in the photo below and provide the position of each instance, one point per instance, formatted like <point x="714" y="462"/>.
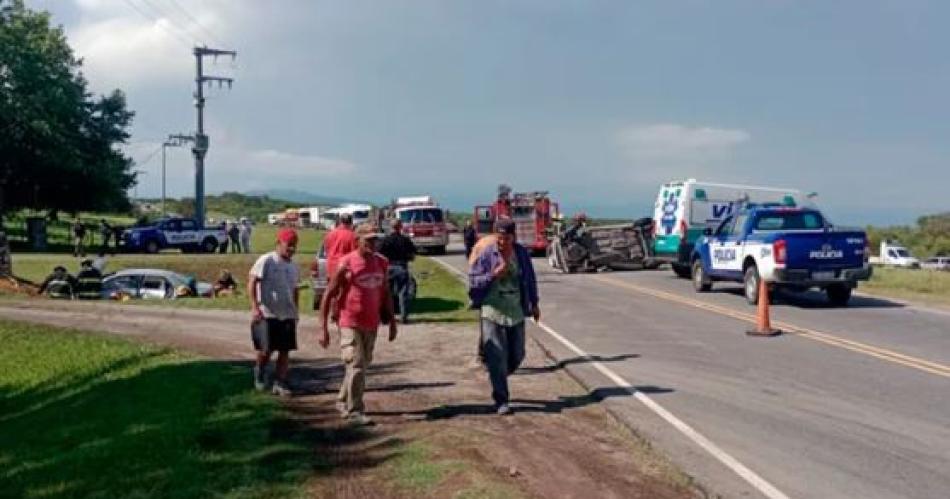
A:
<point x="532" y="213"/>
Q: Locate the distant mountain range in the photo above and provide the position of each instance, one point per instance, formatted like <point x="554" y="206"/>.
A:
<point x="295" y="196"/>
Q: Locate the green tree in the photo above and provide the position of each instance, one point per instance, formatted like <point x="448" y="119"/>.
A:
<point x="58" y="143"/>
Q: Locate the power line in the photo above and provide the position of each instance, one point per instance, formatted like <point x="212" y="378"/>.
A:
<point x="163" y="14"/>
<point x="197" y="23"/>
<point x="158" y="22"/>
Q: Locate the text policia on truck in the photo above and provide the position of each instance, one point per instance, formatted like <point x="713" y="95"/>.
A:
<point x="683" y="209"/>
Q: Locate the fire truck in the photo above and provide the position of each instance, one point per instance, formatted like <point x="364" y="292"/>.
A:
<point x="423" y="221"/>
<point x="532" y="212"/>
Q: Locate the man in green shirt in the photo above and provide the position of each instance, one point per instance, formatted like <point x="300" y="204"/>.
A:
<point x="503" y="284"/>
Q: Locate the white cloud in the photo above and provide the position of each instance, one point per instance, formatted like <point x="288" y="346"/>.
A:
<point x="128" y="44"/>
<point x="656" y="153"/>
<point x="281" y="165"/>
<point x="672" y="141"/>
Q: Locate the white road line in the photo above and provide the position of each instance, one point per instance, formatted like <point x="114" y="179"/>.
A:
<point x="699" y="439"/>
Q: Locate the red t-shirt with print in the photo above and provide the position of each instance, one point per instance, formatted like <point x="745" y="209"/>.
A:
<point x="363" y="297"/>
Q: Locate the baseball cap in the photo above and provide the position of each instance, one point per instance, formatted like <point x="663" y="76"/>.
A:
<point x="287" y="235"/>
<point x="505" y="226"/>
<point x="368" y="231"/>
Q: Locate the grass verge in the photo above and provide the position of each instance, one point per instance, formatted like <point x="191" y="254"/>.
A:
<point x="440" y="296"/>
<point x="83" y="415"/>
<point x="926" y="286"/>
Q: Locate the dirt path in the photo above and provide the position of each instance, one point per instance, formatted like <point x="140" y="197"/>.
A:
<point x="430" y="405"/>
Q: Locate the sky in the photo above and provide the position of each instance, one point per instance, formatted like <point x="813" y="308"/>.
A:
<point x="598" y="102"/>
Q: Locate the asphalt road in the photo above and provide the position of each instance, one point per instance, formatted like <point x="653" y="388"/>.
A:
<point x="850" y="402"/>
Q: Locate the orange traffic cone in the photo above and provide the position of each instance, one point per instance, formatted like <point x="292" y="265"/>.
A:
<point x="763" y="326"/>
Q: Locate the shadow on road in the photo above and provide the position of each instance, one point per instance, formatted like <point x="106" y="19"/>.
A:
<point x="813" y="299"/>
<point x="526" y="405"/>
<point x="574" y="360"/>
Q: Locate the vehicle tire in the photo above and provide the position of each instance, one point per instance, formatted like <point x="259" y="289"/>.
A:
<point x="750" y="284"/>
<point x="440" y="250"/>
<point x="651" y="264"/>
<point x="839" y="294"/>
<point x="151" y="247"/>
<point x="209" y="245"/>
<point x="681" y="271"/>
<point x="701" y="283"/>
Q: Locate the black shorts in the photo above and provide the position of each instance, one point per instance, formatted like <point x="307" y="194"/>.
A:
<point x="274" y="335"/>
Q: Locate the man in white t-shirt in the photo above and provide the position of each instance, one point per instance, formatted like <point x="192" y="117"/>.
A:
<point x="272" y="289"/>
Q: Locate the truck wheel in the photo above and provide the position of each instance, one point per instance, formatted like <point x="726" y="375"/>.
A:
<point x="681" y="271"/>
<point x="701" y="283"/>
<point x="151" y="247"/>
<point x="209" y="245"/>
<point x="839" y="294"/>
<point x="751" y="284"/>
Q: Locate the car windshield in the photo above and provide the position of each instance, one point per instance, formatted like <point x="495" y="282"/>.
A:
<point x="426" y="215"/>
<point x="901" y="252"/>
<point x="791" y="220"/>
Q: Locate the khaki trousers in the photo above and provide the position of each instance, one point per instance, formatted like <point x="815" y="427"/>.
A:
<point x="356" y="351"/>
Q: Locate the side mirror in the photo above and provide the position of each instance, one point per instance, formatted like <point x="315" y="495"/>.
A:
<point x="708" y="231"/>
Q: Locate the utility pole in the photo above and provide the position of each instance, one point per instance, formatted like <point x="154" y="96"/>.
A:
<point x="174" y="140"/>
<point x="200" y="147"/>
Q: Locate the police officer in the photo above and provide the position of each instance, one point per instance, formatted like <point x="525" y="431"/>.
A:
<point x="59" y="284"/>
<point x="105" y="230"/>
<point x="399" y="250"/>
<point x="89" y="285"/>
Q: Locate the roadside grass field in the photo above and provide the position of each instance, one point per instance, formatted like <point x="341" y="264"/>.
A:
<point x="440" y="297"/>
<point x="86" y="415"/>
<point x="916" y="285"/>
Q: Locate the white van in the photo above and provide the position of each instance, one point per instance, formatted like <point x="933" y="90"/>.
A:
<point x="684" y="209"/>
<point x="359" y="212"/>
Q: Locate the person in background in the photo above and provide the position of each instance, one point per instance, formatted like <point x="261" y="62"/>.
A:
<point x="359" y="287"/>
<point x="105" y="231"/>
<point x="223" y="248"/>
<point x="234" y="233"/>
<point x="469" y="237"/>
<point x="275" y="297"/>
<point x="503" y="286"/>
<point x="117" y="231"/>
<point x="225" y="285"/>
<point x="399" y="250"/>
<point x="89" y="282"/>
<point x="245" y="234"/>
<point x="59" y="284"/>
<point x="99" y="263"/>
<point x="339" y="242"/>
<point x="79" y="236"/>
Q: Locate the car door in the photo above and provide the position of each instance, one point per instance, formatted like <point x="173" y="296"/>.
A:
<point x="188" y="232"/>
<point x="154" y="288"/>
<point x="724" y="249"/>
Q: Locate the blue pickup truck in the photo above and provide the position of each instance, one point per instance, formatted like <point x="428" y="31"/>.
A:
<point x="174" y="233"/>
<point x="792" y="248"/>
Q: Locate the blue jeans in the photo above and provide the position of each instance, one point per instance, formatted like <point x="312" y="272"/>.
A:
<point x="504" y="350"/>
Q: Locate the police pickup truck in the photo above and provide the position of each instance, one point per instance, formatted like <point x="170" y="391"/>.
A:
<point x="177" y="233"/>
<point x="794" y="248"/>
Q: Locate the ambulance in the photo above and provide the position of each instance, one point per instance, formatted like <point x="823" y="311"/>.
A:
<point x="683" y="209"/>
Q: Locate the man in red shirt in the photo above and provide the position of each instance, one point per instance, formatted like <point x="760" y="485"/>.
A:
<point x="339" y="242"/>
<point x="361" y="289"/>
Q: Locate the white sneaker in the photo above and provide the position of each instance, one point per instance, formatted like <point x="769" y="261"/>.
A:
<point x="360" y="419"/>
<point x="281" y="389"/>
<point x="260" y="379"/>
